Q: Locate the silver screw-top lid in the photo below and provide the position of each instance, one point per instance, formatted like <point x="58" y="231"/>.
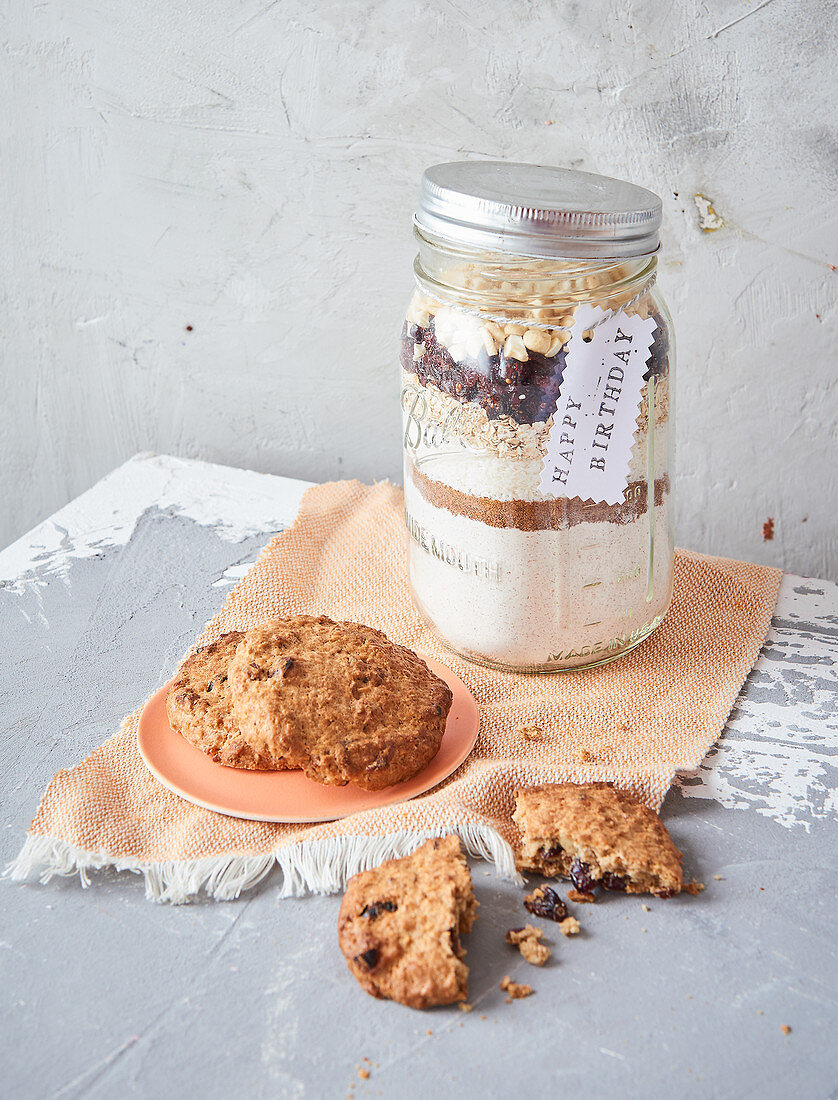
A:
<point x="537" y="210"/>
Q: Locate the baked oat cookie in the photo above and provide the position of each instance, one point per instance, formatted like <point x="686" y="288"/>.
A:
<point x="595" y="833"/>
<point x="199" y="705"/>
<point x="339" y="700"/>
<point x="400" y="925"/>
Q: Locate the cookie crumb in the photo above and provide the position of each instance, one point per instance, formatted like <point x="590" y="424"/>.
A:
<point x="546" y="903"/>
<point x="693" y="887"/>
<point x="646" y="907"/>
<point x="527" y="941"/>
<point x="581" y="897"/>
<point x="464" y="1007"/>
<point x="531" y="733"/>
<point x="482" y="1017"/>
<point x="515" y="990"/>
<point x="569" y="926"/>
<point x="786" y="1030"/>
<point x="363" y="1073"/>
<point x="768" y="530"/>
<point x="718" y="878"/>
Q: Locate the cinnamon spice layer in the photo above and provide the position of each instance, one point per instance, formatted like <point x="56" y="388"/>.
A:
<point x="538" y="515"/>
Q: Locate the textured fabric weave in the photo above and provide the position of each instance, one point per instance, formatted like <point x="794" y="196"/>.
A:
<point x="636" y="721"/>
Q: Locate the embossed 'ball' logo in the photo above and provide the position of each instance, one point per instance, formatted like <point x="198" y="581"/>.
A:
<point x="422" y="428"/>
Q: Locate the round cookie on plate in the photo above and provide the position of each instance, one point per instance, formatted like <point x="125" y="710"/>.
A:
<point x="339" y="700"/>
<point x="199" y="706"/>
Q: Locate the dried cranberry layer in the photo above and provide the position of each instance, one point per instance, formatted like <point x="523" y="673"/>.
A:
<point x="526" y="392"/>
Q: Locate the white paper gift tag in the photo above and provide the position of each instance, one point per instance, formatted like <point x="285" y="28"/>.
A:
<point x="590" y="442"/>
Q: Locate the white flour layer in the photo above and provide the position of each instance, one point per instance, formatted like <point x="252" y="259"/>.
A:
<point x="537" y="597"/>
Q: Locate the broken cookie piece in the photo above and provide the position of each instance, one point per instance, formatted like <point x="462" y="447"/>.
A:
<point x="569" y="927"/>
<point x="400" y="924"/>
<point x="596" y="834"/>
<point x="514" y="990"/>
<point x="528" y="942"/>
<point x="544" y="902"/>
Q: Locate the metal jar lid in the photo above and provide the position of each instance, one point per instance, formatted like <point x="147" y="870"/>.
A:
<point x="537" y="210"/>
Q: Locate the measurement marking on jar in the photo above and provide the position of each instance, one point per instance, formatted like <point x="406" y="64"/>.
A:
<point x="591" y="584"/>
<point x="593" y="546"/>
<point x="597" y="623"/>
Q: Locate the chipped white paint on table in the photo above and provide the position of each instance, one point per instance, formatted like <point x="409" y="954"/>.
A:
<point x="107" y="995"/>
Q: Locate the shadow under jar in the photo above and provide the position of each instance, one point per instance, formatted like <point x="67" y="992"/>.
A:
<point x="537" y="380"/>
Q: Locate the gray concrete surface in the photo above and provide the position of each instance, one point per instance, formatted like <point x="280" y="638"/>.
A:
<point x="103" y="994"/>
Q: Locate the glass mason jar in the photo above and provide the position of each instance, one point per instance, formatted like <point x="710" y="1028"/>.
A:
<point x="537" y="383"/>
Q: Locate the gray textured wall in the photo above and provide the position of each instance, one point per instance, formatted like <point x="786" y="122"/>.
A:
<point x="249" y="169"/>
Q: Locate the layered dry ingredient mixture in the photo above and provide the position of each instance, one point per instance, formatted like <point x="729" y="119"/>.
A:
<point x="506" y="573"/>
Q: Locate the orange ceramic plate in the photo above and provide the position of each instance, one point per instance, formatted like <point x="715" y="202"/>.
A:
<point x="289" y="796"/>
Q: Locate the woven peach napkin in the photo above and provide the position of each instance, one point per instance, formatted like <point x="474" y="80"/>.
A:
<point x="636" y="721"/>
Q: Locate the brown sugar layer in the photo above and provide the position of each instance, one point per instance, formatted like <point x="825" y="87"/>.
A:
<point x="538" y="515"/>
<point x="596" y="834"/>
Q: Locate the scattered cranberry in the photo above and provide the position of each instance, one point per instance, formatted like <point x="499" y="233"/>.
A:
<point x="545" y="903"/>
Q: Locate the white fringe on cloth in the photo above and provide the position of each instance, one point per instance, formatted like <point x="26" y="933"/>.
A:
<point x="310" y="867"/>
